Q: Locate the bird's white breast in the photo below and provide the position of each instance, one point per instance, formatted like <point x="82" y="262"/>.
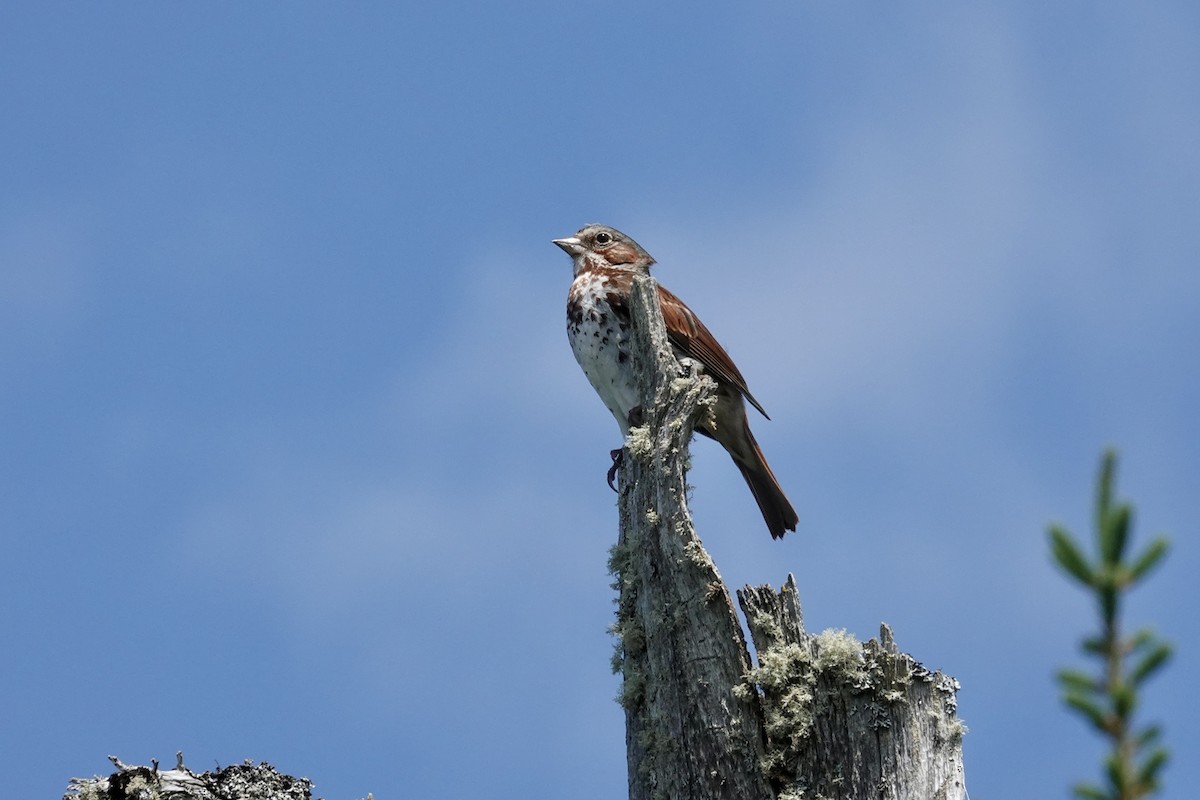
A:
<point x="600" y="342"/>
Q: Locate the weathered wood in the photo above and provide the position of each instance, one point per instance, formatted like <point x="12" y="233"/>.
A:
<point x="681" y="649"/>
<point x="821" y="716"/>
<point x="245" y="780"/>
<point x="845" y="719"/>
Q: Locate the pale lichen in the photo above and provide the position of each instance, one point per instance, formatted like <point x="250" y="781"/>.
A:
<point x="840" y="654"/>
<point x="639" y="442"/>
<point x="697" y="555"/>
<point x="785" y="675"/>
<point x="767" y="625"/>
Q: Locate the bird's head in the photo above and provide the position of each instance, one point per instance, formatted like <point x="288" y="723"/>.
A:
<point x="599" y="246"/>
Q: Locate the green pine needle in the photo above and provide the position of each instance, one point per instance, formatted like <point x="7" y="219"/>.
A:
<point x="1149" y="559"/>
<point x="1148" y="773"/>
<point x="1089" y="792"/>
<point x="1070" y="557"/>
<point x="1114" y="534"/>
<point x="1087" y="708"/>
<point x="1148" y="736"/>
<point x="1077" y="681"/>
<point x="1153" y="661"/>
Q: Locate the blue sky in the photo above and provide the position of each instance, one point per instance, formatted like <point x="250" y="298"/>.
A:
<point x="297" y="464"/>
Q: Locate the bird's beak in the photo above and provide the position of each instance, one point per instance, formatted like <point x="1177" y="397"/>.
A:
<point x="571" y="245"/>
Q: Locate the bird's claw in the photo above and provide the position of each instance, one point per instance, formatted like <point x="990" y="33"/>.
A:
<point x="617" y="456"/>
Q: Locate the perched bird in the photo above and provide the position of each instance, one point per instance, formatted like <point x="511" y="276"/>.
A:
<point x="598" y="322"/>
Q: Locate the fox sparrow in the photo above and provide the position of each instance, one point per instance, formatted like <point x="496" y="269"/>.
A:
<point x="598" y="320"/>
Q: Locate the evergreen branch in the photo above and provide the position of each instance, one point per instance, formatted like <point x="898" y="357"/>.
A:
<point x="1109" y="698"/>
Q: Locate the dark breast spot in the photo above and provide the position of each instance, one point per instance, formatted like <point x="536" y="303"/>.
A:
<point x="574" y="311"/>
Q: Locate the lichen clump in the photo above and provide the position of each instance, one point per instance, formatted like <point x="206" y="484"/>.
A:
<point x="786" y="676"/>
<point x="639" y="442"/>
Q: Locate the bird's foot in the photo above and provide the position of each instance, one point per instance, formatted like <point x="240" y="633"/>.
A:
<point x="617" y="456"/>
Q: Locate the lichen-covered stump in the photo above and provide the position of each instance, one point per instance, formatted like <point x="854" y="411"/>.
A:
<point x="681" y="650"/>
<point x="235" y="782"/>
<point x="846" y="719"/>
<point x="819" y="717"/>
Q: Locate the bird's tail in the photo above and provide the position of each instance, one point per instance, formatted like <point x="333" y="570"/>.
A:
<point x="776" y="510"/>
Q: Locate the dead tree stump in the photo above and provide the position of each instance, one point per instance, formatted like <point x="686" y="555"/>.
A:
<point x="819" y="717"/>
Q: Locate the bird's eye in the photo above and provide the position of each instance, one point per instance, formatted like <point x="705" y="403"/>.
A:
<point x="603" y="237"/>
